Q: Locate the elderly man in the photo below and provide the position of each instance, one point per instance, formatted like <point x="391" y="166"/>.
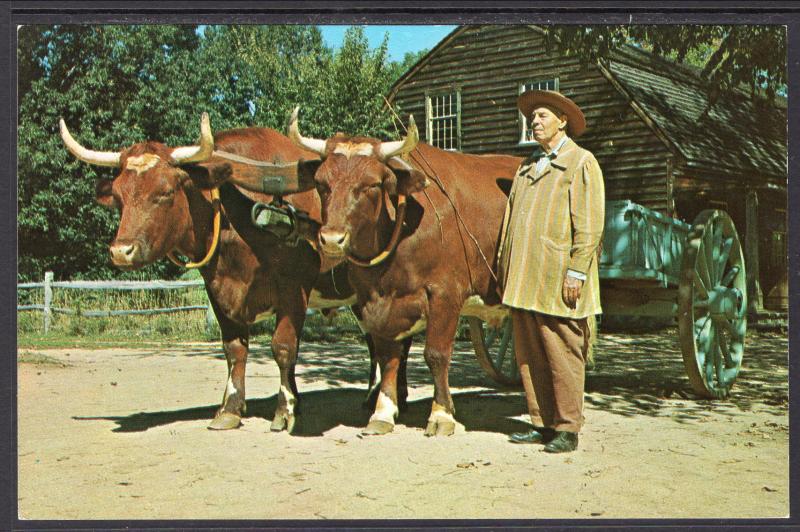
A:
<point x="548" y="259"/>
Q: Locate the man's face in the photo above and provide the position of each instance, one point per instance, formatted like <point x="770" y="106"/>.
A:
<point x="546" y="123"/>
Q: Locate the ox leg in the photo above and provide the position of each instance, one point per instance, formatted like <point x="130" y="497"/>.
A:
<point x="285" y="343"/>
<point x="383" y="418"/>
<point x="235" y="343"/>
<point x="372" y="387"/>
<point x="438" y="351"/>
<point x="402" y="378"/>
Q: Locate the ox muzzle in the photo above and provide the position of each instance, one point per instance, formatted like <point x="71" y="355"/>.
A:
<point x="127" y="255"/>
<point x="334" y="244"/>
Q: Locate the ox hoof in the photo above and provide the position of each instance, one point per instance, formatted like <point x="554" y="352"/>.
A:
<point x="440" y="428"/>
<point x="282" y="422"/>
<point x="377" y="427"/>
<point x="225" y="421"/>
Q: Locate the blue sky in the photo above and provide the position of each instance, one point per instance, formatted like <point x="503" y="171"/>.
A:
<point x="402" y="39"/>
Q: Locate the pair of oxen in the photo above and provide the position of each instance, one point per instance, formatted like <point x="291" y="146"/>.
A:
<point x="406" y="233"/>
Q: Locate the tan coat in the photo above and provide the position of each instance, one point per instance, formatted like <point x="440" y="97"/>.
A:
<point x="552" y="222"/>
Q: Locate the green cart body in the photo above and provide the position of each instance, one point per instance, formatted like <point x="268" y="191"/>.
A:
<point x="656" y="265"/>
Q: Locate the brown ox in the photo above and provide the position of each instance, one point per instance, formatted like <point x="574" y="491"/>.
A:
<point x="165" y="201"/>
<point x="442" y="263"/>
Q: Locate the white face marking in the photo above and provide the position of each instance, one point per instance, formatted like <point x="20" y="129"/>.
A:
<point x="420" y="326"/>
<point x="142" y="163"/>
<point x="348" y="149"/>
<point x="288" y="398"/>
<point x="493" y="316"/>
<point x="385" y="409"/>
<point x="315" y="300"/>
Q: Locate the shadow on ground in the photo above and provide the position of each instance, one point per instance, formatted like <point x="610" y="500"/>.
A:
<point x="322" y="410"/>
<point x="634" y="374"/>
<point x="642" y="374"/>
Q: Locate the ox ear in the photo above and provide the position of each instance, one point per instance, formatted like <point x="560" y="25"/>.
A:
<point x="409" y="179"/>
<point x="103" y="194"/>
<point x="306" y="170"/>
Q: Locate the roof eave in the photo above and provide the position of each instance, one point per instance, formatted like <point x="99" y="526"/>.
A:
<point x="424" y="60"/>
<point x="657" y="131"/>
<point x="416" y="67"/>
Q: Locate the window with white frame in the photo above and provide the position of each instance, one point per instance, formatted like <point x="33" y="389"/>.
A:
<point x="443" y="123"/>
<point x="526" y="133"/>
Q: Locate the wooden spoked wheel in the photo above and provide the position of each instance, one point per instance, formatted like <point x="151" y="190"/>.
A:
<point x="712" y="304"/>
<point x="494" y="348"/>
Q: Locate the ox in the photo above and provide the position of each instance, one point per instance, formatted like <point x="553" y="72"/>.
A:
<point x="419" y="255"/>
<point x="167" y="204"/>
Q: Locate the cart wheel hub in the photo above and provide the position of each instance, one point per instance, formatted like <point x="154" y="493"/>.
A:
<point x="725" y="303"/>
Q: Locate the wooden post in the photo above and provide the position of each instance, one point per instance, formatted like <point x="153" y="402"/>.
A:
<point x="48" y="299"/>
<point x="755" y="299"/>
<point x="670" y="207"/>
<point x="210" y="319"/>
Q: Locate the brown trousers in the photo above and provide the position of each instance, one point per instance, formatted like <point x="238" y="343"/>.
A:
<point x="551" y="354"/>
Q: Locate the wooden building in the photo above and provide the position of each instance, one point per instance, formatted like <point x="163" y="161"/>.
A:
<point x="650" y="125"/>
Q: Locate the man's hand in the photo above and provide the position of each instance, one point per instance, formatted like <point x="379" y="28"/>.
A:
<point x="571" y="291"/>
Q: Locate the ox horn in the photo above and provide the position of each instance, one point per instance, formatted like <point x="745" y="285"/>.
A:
<point x="101" y="158"/>
<point x="197" y="154"/>
<point x="388" y="150"/>
<point x="310" y="144"/>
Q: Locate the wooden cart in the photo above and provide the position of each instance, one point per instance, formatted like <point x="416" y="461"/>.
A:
<point x="655" y="265"/>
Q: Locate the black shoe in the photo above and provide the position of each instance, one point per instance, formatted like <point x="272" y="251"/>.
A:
<point x="564" y="442"/>
<point x="537" y="435"/>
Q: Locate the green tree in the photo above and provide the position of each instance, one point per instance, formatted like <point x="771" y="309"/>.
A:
<point x="337" y="91"/>
<point x="358" y="80"/>
<point x="400" y="68"/>
<point x="118" y="85"/>
<point x="277" y="66"/>
<point x="114" y="86"/>
<point x="730" y="56"/>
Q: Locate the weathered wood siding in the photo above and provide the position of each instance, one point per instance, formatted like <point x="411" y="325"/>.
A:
<point x="488" y="63"/>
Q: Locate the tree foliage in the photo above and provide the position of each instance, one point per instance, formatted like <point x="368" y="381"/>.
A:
<point x="118" y="85"/>
<point x="729" y="56"/>
<point x="113" y="87"/>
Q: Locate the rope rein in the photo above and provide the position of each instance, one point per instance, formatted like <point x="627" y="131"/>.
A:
<point x="435" y="178"/>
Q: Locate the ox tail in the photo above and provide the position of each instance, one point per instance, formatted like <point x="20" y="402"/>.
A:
<point x="591" y="326"/>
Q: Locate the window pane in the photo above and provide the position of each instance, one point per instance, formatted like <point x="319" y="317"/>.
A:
<point x="443" y="120"/>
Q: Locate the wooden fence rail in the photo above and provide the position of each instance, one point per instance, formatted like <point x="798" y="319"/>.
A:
<point x="48" y="309"/>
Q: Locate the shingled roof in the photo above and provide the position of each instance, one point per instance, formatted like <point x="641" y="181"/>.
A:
<point x="738" y="135"/>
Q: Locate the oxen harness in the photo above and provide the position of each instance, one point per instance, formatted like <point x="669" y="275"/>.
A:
<point x="283" y="220"/>
<point x="217" y="206"/>
<point x="277" y="217"/>
<point x="398" y="226"/>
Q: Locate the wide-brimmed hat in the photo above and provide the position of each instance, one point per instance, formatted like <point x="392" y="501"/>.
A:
<point x="530" y="100"/>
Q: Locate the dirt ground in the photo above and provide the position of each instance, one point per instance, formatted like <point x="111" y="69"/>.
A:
<point x="121" y="434"/>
